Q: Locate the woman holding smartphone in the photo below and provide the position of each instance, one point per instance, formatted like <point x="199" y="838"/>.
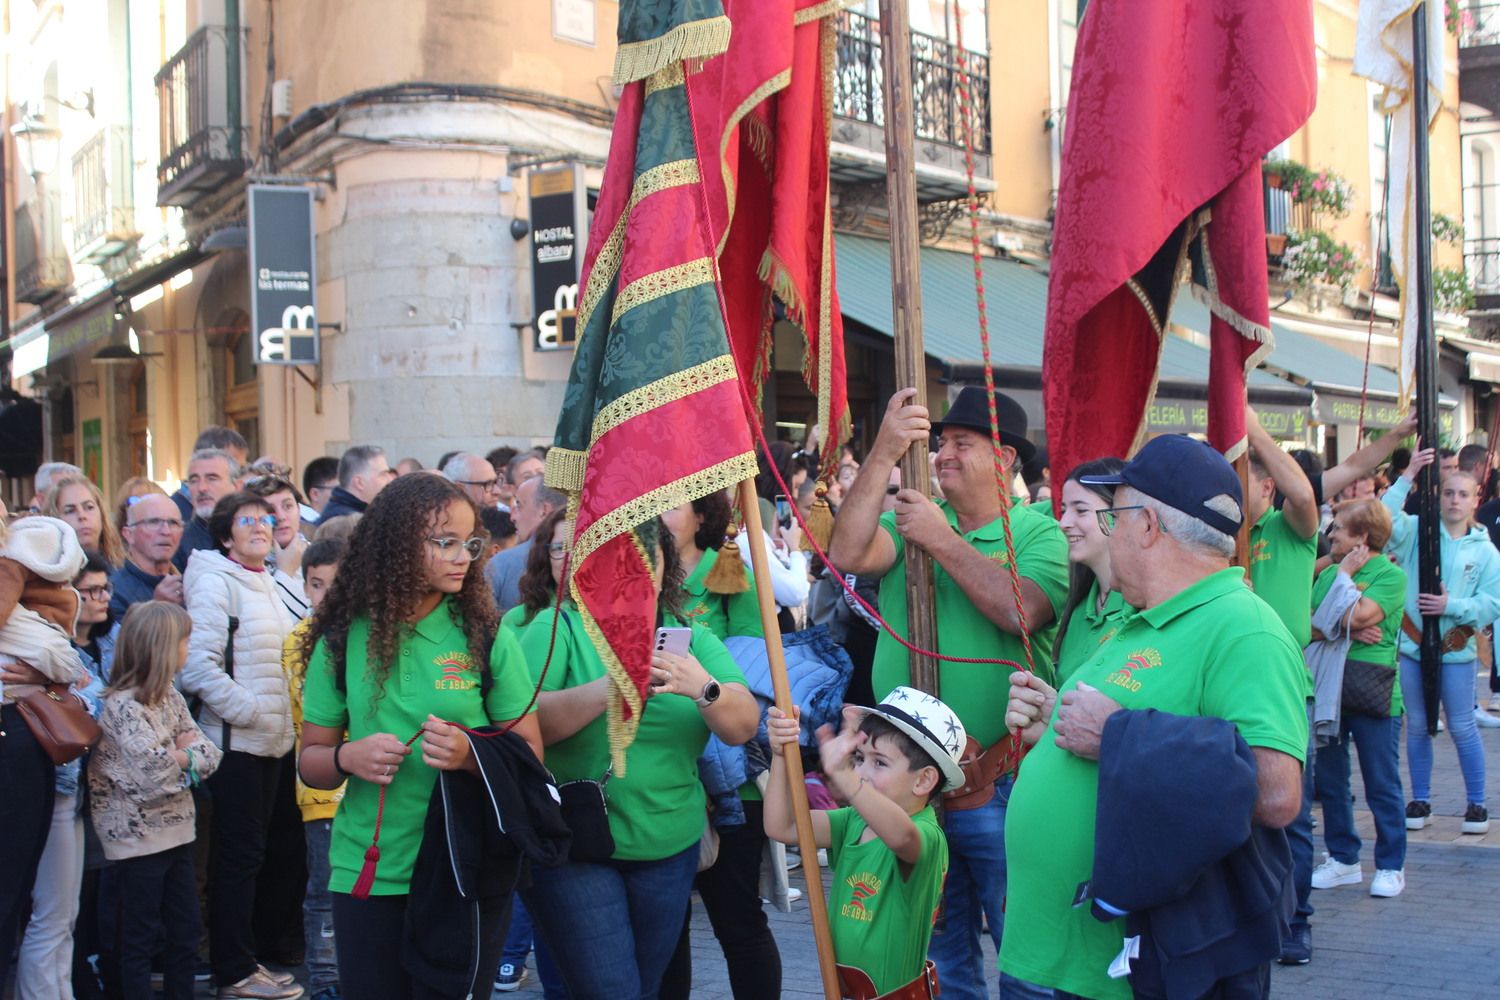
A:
<point x="629" y="906"/>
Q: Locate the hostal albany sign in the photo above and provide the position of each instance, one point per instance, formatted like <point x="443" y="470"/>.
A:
<point x="559" y="211"/>
<point x="283" y="275"/>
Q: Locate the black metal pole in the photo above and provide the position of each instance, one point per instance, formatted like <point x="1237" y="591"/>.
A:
<point x="1419" y="278"/>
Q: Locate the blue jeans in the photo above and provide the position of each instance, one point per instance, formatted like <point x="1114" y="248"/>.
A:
<point x="317" y="910"/>
<point x="1299" y="836"/>
<point x="626" y="914"/>
<point x="520" y="941"/>
<point x="1380" y="767"/>
<point x="975" y="892"/>
<point x="1456" y="691"/>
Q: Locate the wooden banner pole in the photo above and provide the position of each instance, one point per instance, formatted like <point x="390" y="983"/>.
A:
<point x="782" y="688"/>
<point x="906" y="314"/>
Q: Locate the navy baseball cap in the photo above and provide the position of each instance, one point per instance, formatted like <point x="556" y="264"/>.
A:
<point x="1183" y="473"/>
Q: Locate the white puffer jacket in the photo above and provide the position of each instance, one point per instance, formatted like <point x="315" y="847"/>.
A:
<point x="254" y="702"/>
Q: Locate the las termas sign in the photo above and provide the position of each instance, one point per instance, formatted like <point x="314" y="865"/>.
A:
<point x="283" y="276"/>
<point x="559" y="213"/>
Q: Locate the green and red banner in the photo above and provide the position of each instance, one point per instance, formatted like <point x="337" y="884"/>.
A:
<point x="654" y="415"/>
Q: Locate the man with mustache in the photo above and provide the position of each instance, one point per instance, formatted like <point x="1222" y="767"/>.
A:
<point x="212" y="475"/>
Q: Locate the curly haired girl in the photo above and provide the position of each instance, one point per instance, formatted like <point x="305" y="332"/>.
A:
<point x="400" y="644"/>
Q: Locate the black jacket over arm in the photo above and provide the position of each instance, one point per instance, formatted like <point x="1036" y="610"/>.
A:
<point x="1208" y="891"/>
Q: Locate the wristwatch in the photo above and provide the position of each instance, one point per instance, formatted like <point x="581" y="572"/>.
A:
<point x="711" y="692"/>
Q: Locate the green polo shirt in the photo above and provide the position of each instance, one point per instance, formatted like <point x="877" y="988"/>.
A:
<point x="879" y="915"/>
<point x="1088" y="629"/>
<point x="1383" y="582"/>
<point x="973" y="690"/>
<point x="657" y="808"/>
<point x="1281" y="571"/>
<point x="723" y="614"/>
<point x="432" y="674"/>
<point x="1214" y="649"/>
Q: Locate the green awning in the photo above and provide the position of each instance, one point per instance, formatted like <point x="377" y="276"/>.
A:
<point x="1016" y="296"/>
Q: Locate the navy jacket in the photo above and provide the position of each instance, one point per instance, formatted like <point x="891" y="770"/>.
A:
<point x="195" y="536"/>
<point x="341" y="502"/>
<point x="479" y="831"/>
<point x="131" y="585"/>
<point x="1208" y="892"/>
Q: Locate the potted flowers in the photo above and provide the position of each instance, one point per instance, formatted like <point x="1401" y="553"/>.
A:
<point x="1324" y="192"/>
<point x="1313" y="257"/>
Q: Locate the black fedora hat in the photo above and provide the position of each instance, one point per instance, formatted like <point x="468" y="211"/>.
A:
<point x="971" y="410"/>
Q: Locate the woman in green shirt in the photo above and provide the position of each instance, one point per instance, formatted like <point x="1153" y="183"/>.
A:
<point x="697" y="533"/>
<point x="1094" y="607"/>
<point x="543" y="575"/>
<point x="1360" y="530"/>
<point x="611" y="926"/>
<point x="400" y="645"/>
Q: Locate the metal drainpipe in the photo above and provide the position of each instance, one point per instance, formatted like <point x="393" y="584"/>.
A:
<point x="232" y="71"/>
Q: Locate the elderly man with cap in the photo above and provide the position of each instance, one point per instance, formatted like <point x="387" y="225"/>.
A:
<point x="977" y="617"/>
<point x="1202" y="645"/>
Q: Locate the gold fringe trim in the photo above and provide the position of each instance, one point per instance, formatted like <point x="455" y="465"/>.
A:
<point x="693" y="40"/>
<point x="668" y="389"/>
<point x="661" y="283"/>
<point x="673" y="173"/>
<point x="622" y="691"/>
<point x="666" y="78"/>
<point x="822" y="10"/>
<point x="773" y="273"/>
<point x="563" y="469"/>
<point x="653" y="503"/>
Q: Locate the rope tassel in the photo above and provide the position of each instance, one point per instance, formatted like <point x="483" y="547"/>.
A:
<point x="819" y="521"/>
<point x="366" y="880"/>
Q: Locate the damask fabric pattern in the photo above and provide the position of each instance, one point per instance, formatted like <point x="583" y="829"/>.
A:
<point x="1171" y="109"/>
<point x="652" y="415"/>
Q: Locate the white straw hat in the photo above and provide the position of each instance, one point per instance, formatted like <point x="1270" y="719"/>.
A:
<point x="931" y="724"/>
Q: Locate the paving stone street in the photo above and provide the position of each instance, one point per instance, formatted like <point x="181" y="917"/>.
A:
<point x="1440" y="938"/>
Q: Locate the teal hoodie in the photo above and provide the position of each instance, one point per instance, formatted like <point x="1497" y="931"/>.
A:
<point x="1471" y="572"/>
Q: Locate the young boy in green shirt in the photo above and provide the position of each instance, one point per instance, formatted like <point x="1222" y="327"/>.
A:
<point x="886" y="850"/>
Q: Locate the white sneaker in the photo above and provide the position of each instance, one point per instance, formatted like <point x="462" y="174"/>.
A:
<point x="1333" y="873"/>
<point x="1485" y="720"/>
<point x="1495" y="702"/>
<point x="1388" y="883"/>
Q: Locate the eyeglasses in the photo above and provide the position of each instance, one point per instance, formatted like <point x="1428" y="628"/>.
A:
<point x="248" y="521"/>
<point x="1107" y="516"/>
<point x="157" y="523"/>
<point x="557" y="550"/>
<point x="449" y="548"/>
<point x="484" y="484"/>
<point x="97" y="593"/>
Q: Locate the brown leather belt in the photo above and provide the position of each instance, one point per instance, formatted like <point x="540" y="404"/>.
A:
<point x="856" y="985"/>
<point x="1455" y="639"/>
<point x="981" y="769"/>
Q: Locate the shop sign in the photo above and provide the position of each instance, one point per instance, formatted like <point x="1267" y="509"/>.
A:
<point x="1178" y="416"/>
<point x="559" y="214"/>
<point x="1380" y="414"/>
<point x="283" y="275"/>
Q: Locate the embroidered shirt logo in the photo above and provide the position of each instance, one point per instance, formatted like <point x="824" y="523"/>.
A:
<point x="1143" y="659"/>
<point x="865" y="887"/>
<point x="456" y="667"/>
<point x="1259" y="552"/>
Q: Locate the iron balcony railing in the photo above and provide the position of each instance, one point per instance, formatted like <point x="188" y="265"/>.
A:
<point x="103" y="199"/>
<point x="202" y="133"/>
<point x="42" y="266"/>
<point x="1482" y="263"/>
<point x="859" y="78"/>
<point x="1477" y="24"/>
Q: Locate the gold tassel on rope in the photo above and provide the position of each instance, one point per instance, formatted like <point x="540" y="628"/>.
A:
<point x="819" y="521"/>
<point x="728" y="575"/>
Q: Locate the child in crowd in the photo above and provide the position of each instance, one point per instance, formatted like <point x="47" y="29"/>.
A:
<point x="320" y="563"/>
<point x="887" y="853"/>
<point x="140" y="774"/>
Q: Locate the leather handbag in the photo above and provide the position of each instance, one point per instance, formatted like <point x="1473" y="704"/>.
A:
<point x="59" y="723"/>
<point x="1368" y="688"/>
<point x="587" y="816"/>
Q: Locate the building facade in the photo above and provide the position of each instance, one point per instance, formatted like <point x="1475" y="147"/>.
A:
<point x="134" y="129"/>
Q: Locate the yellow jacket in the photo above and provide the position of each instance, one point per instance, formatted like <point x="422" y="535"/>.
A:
<point x="315" y="803"/>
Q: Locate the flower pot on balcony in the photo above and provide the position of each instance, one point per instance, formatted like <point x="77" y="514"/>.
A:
<point x="1273" y="181"/>
<point x="1275" y="244"/>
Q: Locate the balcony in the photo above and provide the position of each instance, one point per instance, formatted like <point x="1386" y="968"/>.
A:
<point x="1282" y="217"/>
<point x="859" y="109"/>
<point x="1479" y="55"/>
<point x="1482" y="263"/>
<point x="202" y="133"/>
<point x="42" y="266"/>
<point x="103" y="196"/>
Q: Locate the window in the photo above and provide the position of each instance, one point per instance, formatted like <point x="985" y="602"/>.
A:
<point x="241" y="389"/>
<point x="138" y="429"/>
